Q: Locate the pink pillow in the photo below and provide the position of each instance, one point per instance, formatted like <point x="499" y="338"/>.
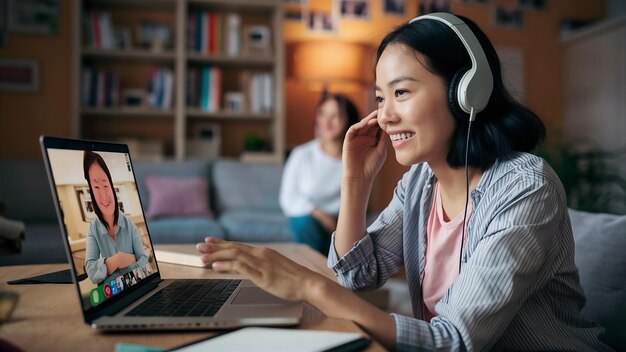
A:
<point x="177" y="196"/>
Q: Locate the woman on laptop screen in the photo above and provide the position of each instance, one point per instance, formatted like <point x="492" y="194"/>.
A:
<point x="114" y="244"/>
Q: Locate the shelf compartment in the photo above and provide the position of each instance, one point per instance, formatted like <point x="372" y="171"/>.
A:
<point x="124" y="112"/>
<point x="223" y="60"/>
<point x="130" y="54"/>
<point x="228" y="115"/>
<point x="133" y="4"/>
<point x="242" y="6"/>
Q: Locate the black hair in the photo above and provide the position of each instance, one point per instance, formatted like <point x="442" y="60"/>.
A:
<point x="346" y="108"/>
<point x="90" y="158"/>
<point x="504" y="126"/>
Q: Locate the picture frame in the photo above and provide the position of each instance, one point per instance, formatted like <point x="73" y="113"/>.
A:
<point x="122" y="39"/>
<point x="234" y="101"/>
<point x="19" y="76"/>
<point x="533" y="4"/>
<point x="430" y="6"/>
<point x="154" y="35"/>
<point x="258" y="39"/>
<point x="295" y="14"/>
<point x="33" y="16"/>
<point x="511" y="17"/>
<point x="357" y="9"/>
<point x="206" y="141"/>
<point x="476" y="2"/>
<point x="395" y="7"/>
<point x="86" y="205"/>
<point x="321" y="21"/>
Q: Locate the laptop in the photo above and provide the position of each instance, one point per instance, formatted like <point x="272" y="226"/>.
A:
<point x="112" y="259"/>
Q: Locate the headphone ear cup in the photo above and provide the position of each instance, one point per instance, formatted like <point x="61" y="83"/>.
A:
<point x="453" y="101"/>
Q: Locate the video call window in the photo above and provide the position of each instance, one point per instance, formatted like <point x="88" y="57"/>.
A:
<point x="105" y="226"/>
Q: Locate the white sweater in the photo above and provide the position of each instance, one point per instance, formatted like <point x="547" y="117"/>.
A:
<point x="311" y="179"/>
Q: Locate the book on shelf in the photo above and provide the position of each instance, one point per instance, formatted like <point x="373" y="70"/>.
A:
<point x="100" y="88"/>
<point x="204" y="32"/>
<point x="98" y="30"/>
<point x="207" y="81"/>
<point x="161" y="89"/>
<point x="260" y="93"/>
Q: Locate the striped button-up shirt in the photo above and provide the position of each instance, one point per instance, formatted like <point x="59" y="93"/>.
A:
<point x="518" y="288"/>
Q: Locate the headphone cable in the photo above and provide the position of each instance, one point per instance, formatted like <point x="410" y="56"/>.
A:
<point x="469" y="128"/>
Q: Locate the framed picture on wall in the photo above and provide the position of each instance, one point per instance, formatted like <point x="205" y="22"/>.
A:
<point x="394" y="7"/>
<point x="359" y="9"/>
<point x="294" y="14"/>
<point x="33" y="16"/>
<point x="478" y="2"/>
<point x="533" y="4"/>
<point x="19" y="75"/>
<point x="511" y="17"/>
<point x="86" y="205"/>
<point x="429" y="6"/>
<point x="321" y="21"/>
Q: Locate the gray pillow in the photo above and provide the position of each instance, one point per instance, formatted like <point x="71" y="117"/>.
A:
<point x="601" y="259"/>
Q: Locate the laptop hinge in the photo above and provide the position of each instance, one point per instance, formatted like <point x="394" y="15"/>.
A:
<point x="123" y="302"/>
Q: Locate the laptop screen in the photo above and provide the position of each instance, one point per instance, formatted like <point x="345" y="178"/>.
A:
<point x="111" y="251"/>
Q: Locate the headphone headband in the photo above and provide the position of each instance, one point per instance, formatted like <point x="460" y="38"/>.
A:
<point x="476" y="85"/>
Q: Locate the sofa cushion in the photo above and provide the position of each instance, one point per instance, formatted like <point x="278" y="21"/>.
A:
<point x="240" y="185"/>
<point x="256" y="226"/>
<point x="25" y="191"/>
<point x="600" y="245"/>
<point x="177" y="196"/>
<point x="183" y="230"/>
<point x="42" y="244"/>
<point x="192" y="169"/>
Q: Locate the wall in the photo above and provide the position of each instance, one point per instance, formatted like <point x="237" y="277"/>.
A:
<point x="538" y="41"/>
<point x="25" y="116"/>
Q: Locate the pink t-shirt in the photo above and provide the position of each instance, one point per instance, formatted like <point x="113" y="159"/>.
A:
<point x="443" y="245"/>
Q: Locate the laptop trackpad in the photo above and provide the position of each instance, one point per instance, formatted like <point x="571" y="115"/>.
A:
<point x="255" y="295"/>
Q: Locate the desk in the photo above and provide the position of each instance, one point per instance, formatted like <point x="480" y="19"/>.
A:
<point x="48" y="317"/>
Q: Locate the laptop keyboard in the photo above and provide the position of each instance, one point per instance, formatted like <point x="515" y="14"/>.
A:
<point x="187" y="298"/>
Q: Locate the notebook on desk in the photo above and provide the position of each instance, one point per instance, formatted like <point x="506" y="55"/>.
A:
<point x="111" y="256"/>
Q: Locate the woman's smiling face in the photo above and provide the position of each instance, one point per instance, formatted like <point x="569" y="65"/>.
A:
<point x="413" y="106"/>
<point x="102" y="190"/>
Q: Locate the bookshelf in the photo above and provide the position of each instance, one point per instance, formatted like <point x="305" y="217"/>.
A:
<point x="162" y="70"/>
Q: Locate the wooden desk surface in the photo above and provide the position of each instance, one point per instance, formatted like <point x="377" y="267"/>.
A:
<point x="47" y="316"/>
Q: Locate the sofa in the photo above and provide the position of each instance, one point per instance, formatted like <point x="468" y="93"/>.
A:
<point x="242" y="197"/>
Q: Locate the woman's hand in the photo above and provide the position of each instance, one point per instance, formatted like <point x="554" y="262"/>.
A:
<point x="364" y="150"/>
<point x="120" y="260"/>
<point x="267" y="268"/>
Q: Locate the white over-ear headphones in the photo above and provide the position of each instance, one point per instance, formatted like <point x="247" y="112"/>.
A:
<point x="475" y="86"/>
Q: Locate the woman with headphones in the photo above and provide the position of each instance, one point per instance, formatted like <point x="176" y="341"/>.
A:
<point x="479" y="224"/>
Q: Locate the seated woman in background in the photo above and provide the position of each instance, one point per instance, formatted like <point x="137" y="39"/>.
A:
<point x="114" y="244"/>
<point x="309" y="193"/>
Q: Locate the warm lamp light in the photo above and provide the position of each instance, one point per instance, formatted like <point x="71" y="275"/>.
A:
<point x="323" y="63"/>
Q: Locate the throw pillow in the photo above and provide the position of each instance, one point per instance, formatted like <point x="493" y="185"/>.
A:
<point x="177" y="196"/>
